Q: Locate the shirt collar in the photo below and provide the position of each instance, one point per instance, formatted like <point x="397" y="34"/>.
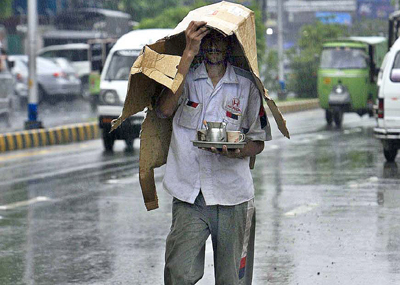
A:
<point x="229" y="76"/>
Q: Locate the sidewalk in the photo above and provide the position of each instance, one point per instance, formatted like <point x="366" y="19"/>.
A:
<point x="77" y="132"/>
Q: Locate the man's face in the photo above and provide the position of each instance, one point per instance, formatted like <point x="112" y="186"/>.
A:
<point x="214" y="47"/>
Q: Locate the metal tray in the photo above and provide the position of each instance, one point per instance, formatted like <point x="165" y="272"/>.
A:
<point x="229" y="145"/>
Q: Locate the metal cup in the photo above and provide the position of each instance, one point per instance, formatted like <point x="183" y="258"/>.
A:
<point x="216" y="131"/>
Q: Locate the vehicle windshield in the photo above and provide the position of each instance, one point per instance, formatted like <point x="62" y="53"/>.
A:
<point x="120" y="65"/>
<point x="343" y="58"/>
<point x="74" y="55"/>
<point x="396" y="64"/>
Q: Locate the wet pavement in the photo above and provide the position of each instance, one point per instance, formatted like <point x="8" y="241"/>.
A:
<point x="327" y="212"/>
<point x="61" y="112"/>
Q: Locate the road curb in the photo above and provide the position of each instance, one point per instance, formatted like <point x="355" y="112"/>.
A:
<point x="46" y="137"/>
<point x="89" y="131"/>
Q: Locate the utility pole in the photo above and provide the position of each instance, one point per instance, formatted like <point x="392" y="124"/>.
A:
<point x="264" y="11"/>
<point x="281" y="78"/>
<point x="32" y="122"/>
<point x="264" y="18"/>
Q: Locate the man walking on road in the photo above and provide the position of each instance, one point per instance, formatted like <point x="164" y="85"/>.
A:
<point x="212" y="190"/>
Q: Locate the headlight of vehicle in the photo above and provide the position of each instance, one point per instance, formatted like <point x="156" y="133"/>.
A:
<point x="339" y="89"/>
<point x="109" y="97"/>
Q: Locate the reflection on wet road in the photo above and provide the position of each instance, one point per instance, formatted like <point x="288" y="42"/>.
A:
<point x="327" y="212"/>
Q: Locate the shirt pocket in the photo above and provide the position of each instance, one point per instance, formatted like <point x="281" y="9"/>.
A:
<point x="190" y="114"/>
<point x="233" y="119"/>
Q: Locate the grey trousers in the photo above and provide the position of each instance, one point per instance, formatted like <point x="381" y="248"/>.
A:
<point x="232" y="230"/>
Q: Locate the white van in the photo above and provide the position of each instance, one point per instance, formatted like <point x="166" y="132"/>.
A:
<point x="114" y="85"/>
<point x="388" y="105"/>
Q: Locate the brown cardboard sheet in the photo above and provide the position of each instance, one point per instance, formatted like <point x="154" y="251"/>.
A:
<point x="156" y="68"/>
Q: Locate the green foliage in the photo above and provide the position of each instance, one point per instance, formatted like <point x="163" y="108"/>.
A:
<point x="269" y="70"/>
<point x="5" y="9"/>
<point x="170" y="17"/>
<point x="260" y="32"/>
<point x="305" y="61"/>
<point x="370" y="27"/>
<point x="140" y="9"/>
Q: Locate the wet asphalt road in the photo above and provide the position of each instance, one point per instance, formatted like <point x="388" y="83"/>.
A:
<point x="61" y="112"/>
<point x="327" y="212"/>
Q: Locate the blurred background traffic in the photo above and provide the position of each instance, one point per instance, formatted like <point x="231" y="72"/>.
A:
<point x="73" y="39"/>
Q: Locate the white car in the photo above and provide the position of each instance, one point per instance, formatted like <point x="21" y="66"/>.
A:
<point x="77" y="54"/>
<point x="388" y="105"/>
<point x="114" y="85"/>
<point x="55" y="81"/>
<point x="6" y="90"/>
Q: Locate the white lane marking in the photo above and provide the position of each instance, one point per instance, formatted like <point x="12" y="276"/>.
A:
<point x="130" y="180"/>
<point x="125" y="180"/>
<point x="373" y="179"/>
<point x="1" y="217"/>
<point x="357" y="184"/>
<point x="301" y="210"/>
<point x="352" y="131"/>
<point x="24" y="203"/>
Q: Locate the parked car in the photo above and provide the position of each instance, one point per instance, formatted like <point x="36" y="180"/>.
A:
<point x="388" y="105"/>
<point x="6" y="89"/>
<point x="66" y="66"/>
<point x="54" y="81"/>
<point x="114" y="85"/>
<point x="77" y="54"/>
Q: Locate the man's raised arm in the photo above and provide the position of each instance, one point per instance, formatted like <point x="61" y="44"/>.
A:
<point x="194" y="33"/>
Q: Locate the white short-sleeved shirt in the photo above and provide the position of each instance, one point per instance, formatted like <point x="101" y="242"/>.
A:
<point x="234" y="100"/>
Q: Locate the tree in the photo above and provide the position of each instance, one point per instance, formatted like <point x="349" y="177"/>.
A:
<point x="5" y="9"/>
<point x="305" y="59"/>
<point x="140" y="9"/>
<point x="370" y="27"/>
<point x="170" y="17"/>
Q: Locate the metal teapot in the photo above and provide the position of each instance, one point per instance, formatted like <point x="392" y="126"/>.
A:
<point x="216" y="131"/>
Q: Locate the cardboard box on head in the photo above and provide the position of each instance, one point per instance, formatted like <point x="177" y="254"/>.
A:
<point x="156" y="68"/>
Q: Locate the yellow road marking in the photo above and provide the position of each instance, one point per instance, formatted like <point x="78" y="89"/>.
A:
<point x="35" y="138"/>
<point x="28" y="142"/>
<point x="59" y="135"/>
<point x="19" y="140"/>
<point x="96" y="132"/>
<point x="19" y="155"/>
<point x="52" y="138"/>
<point x="66" y="135"/>
<point x="88" y="131"/>
<point x="27" y="153"/>
<point x="10" y="142"/>
<point x="81" y="132"/>
<point x="74" y="134"/>
<point x="2" y="144"/>
<point x="43" y="136"/>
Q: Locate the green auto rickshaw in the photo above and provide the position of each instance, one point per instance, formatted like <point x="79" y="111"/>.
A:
<point x="97" y="55"/>
<point x="347" y="76"/>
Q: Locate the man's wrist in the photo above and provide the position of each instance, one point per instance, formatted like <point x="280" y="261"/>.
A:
<point x="188" y="54"/>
